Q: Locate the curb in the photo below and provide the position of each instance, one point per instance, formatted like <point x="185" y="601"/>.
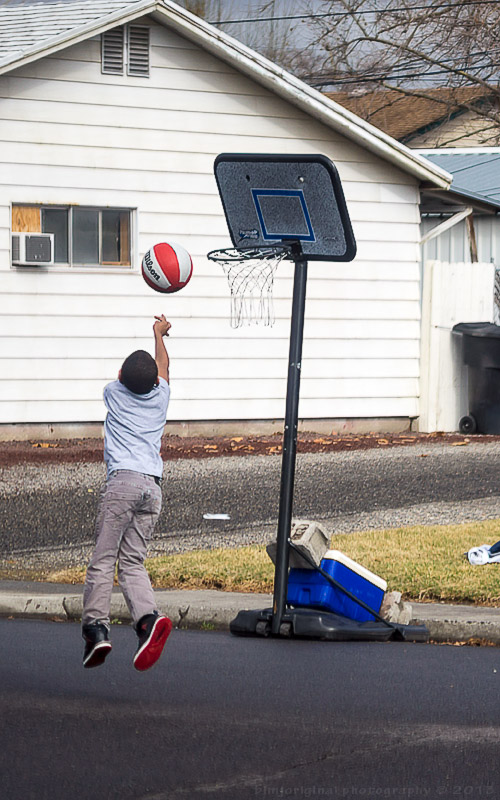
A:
<point x="450" y="632"/>
<point x="187" y="615"/>
<point x="214" y="610"/>
<point x="457" y="624"/>
<point x="44" y="606"/>
<point x="69" y="609"/>
<point x="188" y="609"/>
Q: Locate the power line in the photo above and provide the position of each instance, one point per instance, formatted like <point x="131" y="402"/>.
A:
<point x="399" y="71"/>
<point x="356" y="13"/>
<point x="374" y="76"/>
<point x="371" y="78"/>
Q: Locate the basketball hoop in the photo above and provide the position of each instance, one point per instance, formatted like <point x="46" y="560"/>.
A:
<point x="283" y="206"/>
<point x="250" y="275"/>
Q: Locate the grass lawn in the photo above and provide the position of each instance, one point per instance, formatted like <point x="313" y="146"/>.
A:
<point x="425" y="563"/>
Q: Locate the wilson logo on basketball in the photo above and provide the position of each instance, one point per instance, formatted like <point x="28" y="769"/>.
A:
<point x="149" y="266"/>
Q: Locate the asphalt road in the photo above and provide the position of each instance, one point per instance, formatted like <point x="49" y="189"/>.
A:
<point x="226" y="717"/>
<point x="53" y="506"/>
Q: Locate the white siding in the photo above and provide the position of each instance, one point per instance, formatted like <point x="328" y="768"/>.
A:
<point x="71" y="135"/>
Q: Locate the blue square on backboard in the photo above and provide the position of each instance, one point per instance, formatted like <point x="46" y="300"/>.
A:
<point x="285" y="217"/>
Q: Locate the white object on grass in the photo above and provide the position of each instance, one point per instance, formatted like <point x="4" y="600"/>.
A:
<point x="216" y="516"/>
<point x="481" y="555"/>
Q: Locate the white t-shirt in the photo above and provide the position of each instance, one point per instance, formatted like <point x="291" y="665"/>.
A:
<point x="133" y="428"/>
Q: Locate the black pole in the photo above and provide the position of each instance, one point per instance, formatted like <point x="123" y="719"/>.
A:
<point x="289" y="438"/>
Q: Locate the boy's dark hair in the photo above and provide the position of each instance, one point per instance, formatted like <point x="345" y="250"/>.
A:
<point x="139" y="372"/>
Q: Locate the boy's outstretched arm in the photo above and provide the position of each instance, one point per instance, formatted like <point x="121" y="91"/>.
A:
<point x="161" y="329"/>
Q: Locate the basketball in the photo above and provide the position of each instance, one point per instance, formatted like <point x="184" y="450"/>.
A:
<point x="167" y="267"/>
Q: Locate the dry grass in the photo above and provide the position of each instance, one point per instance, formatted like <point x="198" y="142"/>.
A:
<point x="246" y="569"/>
<point x="425" y="563"/>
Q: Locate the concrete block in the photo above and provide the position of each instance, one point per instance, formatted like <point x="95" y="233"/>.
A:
<point x="394" y="609"/>
<point x="310" y="537"/>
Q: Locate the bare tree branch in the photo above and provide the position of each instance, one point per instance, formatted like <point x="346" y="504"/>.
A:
<point x="414" y="48"/>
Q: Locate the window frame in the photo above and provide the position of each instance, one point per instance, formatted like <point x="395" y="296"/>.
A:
<point x="79" y="266"/>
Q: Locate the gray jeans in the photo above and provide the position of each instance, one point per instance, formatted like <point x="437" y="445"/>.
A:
<point x="129" y="506"/>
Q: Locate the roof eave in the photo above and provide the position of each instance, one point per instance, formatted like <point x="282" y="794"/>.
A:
<point x="454" y="198"/>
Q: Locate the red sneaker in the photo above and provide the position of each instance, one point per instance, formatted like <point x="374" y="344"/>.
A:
<point x="153" y="631"/>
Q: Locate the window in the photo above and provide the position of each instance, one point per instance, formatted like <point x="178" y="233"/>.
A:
<point x="83" y="236"/>
<point x="126" y="46"/>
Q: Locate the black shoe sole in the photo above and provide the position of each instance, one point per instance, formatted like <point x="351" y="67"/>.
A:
<point x="97" y="655"/>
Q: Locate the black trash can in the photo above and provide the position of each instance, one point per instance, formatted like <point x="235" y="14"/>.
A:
<point x="481" y="355"/>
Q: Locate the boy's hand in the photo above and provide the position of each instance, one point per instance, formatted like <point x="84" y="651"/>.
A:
<point x="161" y="326"/>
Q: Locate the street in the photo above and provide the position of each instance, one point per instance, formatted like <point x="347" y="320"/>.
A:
<point x="54" y="506"/>
<point x="228" y="717"/>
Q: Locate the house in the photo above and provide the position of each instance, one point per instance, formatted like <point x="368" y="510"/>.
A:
<point x="445" y="127"/>
<point x="476" y="181"/>
<point x="437" y="117"/>
<point x="111" y="115"/>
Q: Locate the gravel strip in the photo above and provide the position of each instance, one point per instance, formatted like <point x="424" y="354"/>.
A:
<point x="54" y="505"/>
<point x="55" y="558"/>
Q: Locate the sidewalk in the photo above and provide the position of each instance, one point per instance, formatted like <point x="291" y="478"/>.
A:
<point x="214" y="610"/>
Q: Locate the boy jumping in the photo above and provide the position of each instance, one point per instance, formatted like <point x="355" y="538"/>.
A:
<point x="129" y="505"/>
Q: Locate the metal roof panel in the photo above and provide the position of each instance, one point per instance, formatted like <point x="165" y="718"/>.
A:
<point x="477" y="173"/>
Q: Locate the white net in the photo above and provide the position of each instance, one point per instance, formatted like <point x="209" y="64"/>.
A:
<point x="250" y="276"/>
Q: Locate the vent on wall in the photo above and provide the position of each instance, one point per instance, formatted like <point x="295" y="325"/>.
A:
<point x="138" y="50"/>
<point x="112" y="51"/>
<point x="132" y="50"/>
<point x="32" y="249"/>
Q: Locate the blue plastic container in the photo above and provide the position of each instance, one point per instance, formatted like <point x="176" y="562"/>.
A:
<point x="308" y="589"/>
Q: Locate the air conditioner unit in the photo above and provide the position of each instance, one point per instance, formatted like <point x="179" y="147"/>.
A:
<point x="33" y="249"/>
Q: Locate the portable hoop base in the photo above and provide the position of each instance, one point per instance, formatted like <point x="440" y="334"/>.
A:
<point x="311" y="623"/>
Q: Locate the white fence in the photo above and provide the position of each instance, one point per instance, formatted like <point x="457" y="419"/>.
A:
<point x="452" y="293"/>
